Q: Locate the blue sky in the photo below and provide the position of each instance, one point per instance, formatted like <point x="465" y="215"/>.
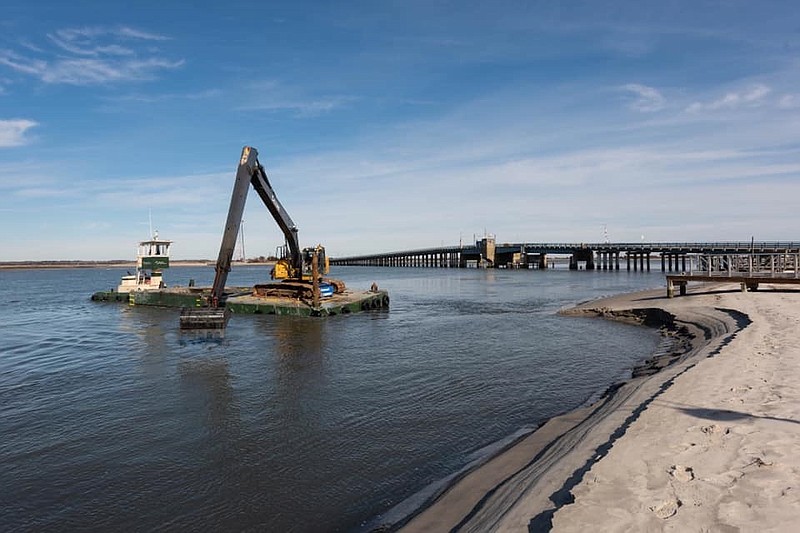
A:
<point x="396" y="125"/>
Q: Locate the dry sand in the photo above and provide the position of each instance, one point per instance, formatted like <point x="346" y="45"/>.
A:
<point x="711" y="442"/>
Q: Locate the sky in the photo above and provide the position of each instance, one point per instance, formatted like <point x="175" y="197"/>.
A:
<point x="387" y="126"/>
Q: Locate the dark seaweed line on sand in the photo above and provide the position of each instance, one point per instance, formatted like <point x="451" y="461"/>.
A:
<point x="680" y="349"/>
<point x="511" y="490"/>
<point x="656" y="318"/>
<point x="563" y="496"/>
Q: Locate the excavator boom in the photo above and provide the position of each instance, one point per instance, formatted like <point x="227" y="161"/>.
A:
<point x="249" y="172"/>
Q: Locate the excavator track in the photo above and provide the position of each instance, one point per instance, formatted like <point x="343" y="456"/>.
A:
<point x="295" y="289"/>
<point x="285" y="289"/>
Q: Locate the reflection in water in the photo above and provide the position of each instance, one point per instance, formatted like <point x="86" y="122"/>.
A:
<point x="148" y="325"/>
<point x="299" y="337"/>
<point x="207" y="391"/>
<point x="298" y="373"/>
<point x="117" y="421"/>
<point x="200" y="336"/>
<point x="298" y="346"/>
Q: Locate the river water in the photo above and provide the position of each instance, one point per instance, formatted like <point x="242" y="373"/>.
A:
<point x="112" y="419"/>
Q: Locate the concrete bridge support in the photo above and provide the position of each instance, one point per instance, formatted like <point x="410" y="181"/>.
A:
<point x="585" y="255"/>
<point x="635" y="257"/>
<point x="667" y="262"/>
<point x="640" y="260"/>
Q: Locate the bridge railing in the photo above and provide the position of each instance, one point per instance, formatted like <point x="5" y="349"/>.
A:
<point x="565" y="247"/>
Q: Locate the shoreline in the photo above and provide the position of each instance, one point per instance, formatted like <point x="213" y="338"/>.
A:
<point x="41" y="265"/>
<point x="527" y="481"/>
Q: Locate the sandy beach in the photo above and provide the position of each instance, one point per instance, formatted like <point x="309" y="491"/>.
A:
<point x="704" y="437"/>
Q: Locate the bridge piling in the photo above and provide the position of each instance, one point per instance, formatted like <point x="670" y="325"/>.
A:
<point x="604" y="256"/>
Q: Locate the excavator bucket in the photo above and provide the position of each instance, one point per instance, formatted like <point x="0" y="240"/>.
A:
<point x="204" y="317"/>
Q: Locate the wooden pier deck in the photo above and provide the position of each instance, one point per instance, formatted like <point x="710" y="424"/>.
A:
<point x="749" y="270"/>
<point x="748" y="283"/>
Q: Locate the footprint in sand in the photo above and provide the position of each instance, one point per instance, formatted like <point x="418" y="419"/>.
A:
<point x="666" y="508"/>
<point x="681" y="473"/>
<point x="714" y="428"/>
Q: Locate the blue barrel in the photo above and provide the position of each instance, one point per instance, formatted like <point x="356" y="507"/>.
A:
<point x="326" y="290"/>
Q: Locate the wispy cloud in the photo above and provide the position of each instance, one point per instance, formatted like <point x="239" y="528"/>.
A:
<point x="647" y="99"/>
<point x="274" y="96"/>
<point x="152" y="98"/>
<point x="133" y="33"/>
<point x="100" y="40"/>
<point x="306" y="108"/>
<point x="789" y="101"/>
<point x="43" y="192"/>
<point x="92" y="55"/>
<point x="751" y="97"/>
<point x="12" y="132"/>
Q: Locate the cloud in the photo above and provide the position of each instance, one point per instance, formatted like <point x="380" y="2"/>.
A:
<point x="307" y="108"/>
<point x="92" y="55"/>
<point x="125" y="31"/>
<point x="648" y="99"/>
<point x="42" y="192"/>
<point x="273" y="96"/>
<point x="152" y="98"/>
<point x="789" y="101"/>
<point x="12" y="132"/>
<point x="91" y="71"/>
<point x="752" y="97"/>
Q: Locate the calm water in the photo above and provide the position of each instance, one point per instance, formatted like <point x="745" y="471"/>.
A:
<point x="112" y="419"/>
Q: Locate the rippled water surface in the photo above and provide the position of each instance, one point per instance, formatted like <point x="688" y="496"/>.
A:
<point x="113" y="419"/>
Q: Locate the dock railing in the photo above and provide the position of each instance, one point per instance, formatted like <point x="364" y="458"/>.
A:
<point x="777" y="265"/>
<point x="747" y="269"/>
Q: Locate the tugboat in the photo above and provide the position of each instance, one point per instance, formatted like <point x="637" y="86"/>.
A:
<point x="152" y="257"/>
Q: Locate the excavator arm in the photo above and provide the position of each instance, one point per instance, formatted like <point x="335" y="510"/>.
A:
<point x="215" y="315"/>
<point x="250" y="172"/>
<point x="264" y="189"/>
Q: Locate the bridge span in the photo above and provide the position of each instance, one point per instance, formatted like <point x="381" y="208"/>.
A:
<point x="486" y="253"/>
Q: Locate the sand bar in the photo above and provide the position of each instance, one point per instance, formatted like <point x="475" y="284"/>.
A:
<point x="705" y="438"/>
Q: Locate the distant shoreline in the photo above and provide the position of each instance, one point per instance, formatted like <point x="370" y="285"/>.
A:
<point x="17" y="265"/>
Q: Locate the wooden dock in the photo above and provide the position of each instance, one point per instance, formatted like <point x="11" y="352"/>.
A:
<point x="749" y="270"/>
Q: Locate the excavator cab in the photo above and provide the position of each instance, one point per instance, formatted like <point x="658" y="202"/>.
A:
<point x="323" y="264"/>
<point x="283" y="266"/>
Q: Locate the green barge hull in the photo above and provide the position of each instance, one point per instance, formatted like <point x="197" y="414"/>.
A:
<point x="241" y="300"/>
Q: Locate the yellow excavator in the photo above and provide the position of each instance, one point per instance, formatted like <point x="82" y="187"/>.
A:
<point x="298" y="273"/>
<point x="284" y="267"/>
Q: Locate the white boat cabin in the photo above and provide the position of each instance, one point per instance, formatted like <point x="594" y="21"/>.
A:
<point x="152" y="257"/>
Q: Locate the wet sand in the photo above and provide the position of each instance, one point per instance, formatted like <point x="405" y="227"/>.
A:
<point x="704" y="437"/>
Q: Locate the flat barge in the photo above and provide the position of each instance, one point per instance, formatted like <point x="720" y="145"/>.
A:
<point x="298" y="288"/>
<point x="243" y="301"/>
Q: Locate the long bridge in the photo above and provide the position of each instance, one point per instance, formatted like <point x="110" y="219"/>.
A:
<point x="486" y="253"/>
